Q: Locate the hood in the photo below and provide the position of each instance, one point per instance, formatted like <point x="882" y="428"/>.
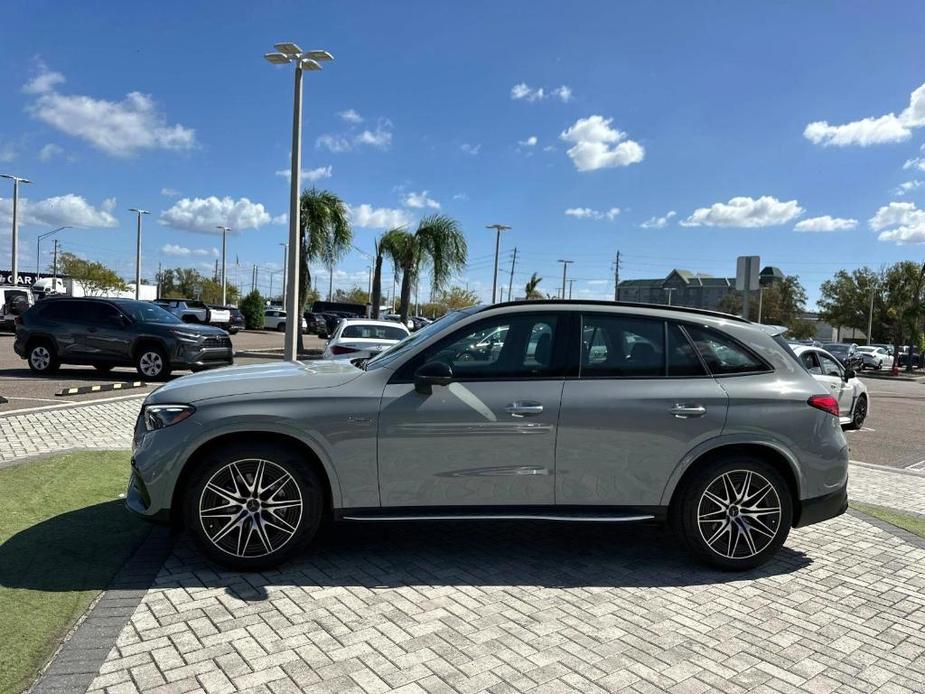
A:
<point x="196" y="328"/>
<point x="254" y="379"/>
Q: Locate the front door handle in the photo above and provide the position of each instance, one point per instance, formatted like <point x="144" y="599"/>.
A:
<point x="524" y="409"/>
<point x="683" y="411"/>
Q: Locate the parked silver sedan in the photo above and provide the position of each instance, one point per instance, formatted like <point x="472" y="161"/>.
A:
<point x="363" y="339"/>
<point x="579" y="411"/>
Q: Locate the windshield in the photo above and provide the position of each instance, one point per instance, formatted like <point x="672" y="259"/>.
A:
<point x="399" y="348"/>
<point x="144" y="312"/>
<point x="837" y="349"/>
<point x="374" y="332"/>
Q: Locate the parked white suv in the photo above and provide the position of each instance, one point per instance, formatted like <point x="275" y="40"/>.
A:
<point x="275" y="319"/>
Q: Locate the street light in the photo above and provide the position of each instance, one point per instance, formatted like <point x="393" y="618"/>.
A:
<point x="304" y="60"/>
<point x="225" y="230"/>
<point x="38" y="247"/>
<point x="138" y="212"/>
<point x="494" y="278"/>
<point x="565" y="264"/>
<point x="15" y="260"/>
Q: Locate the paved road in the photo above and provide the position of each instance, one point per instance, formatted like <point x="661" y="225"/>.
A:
<point x="25" y="390"/>
<point x="894" y="433"/>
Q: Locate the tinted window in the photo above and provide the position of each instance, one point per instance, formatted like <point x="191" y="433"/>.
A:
<point x="58" y="310"/>
<point x="682" y="359"/>
<point x="410" y="341"/>
<point x="97" y="313"/>
<point x="617" y="346"/>
<point x="375" y="332"/>
<point x="148" y="313"/>
<point x="722" y="354"/>
<point x="808" y="359"/>
<point x="503" y="347"/>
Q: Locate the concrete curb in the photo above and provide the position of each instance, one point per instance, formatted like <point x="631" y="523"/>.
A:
<point x="893" y="530"/>
<point x="102" y="388"/>
<point x="887" y="468"/>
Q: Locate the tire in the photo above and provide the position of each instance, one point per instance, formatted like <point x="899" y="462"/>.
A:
<point x="858" y="414"/>
<point x="103" y="368"/>
<point x="151" y="363"/>
<point x="43" y="357"/>
<point x="718" y="534"/>
<point x="280" y="327"/>
<point x="231" y="535"/>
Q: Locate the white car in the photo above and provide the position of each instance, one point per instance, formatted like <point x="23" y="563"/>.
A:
<point x="851" y="393"/>
<point x="875" y="357"/>
<point x="362" y="339"/>
<point x="396" y="317"/>
<point x="275" y="319"/>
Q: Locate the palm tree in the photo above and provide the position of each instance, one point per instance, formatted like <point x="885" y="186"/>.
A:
<point x="439" y="244"/>
<point x="325" y="236"/>
<point x="388" y="245"/>
<point x="530" y="290"/>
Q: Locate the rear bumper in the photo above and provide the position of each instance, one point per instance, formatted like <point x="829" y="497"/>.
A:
<point x="822" y="508"/>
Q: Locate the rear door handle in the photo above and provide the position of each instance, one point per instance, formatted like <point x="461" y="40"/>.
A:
<point x="524" y="409"/>
<point x="682" y="411"/>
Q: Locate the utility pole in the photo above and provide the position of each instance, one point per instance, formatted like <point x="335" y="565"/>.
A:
<point x="494" y="278"/>
<point x="14" y="280"/>
<point x="225" y="231"/>
<point x="870" y="315"/>
<point x="571" y="283"/>
<point x="510" y="282"/>
<point x="565" y="264"/>
<point x="254" y="278"/>
<point x="760" y="302"/>
<point x="139" y="213"/>
<point x="616" y="278"/>
<point x="159" y="280"/>
<point x="54" y="266"/>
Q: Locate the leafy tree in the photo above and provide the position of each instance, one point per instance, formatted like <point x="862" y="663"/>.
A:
<point x="354" y="295"/>
<point x="730" y="303"/>
<point x="901" y="286"/>
<point x="189" y="283"/>
<point x="845" y="300"/>
<point x="387" y="245"/>
<point x="449" y="300"/>
<point x="530" y="289"/>
<point x="438" y="243"/>
<point x="252" y="307"/>
<point x="96" y="278"/>
<point x="782" y="302"/>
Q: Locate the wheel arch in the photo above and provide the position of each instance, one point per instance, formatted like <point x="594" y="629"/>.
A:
<point x="148" y="341"/>
<point x="41" y="337"/>
<point x="311" y="458"/>
<point x="781" y="460"/>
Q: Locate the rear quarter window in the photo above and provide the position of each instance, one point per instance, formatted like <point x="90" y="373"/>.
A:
<point x="724" y="355"/>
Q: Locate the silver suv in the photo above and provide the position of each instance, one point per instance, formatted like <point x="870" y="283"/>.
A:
<point x="555" y="411"/>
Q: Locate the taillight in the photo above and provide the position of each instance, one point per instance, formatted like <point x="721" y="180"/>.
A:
<point x="340" y="349"/>
<point x="826" y="403"/>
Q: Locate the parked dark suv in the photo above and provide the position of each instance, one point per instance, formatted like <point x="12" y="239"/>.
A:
<point x="116" y="332"/>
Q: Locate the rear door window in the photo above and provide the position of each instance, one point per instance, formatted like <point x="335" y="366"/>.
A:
<point x="722" y="354"/>
<point x="621" y="346"/>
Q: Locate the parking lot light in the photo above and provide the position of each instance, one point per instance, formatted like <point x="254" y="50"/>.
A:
<point x="225" y="230"/>
<point x="14" y="270"/>
<point x="138" y="212"/>
<point x="494" y="277"/>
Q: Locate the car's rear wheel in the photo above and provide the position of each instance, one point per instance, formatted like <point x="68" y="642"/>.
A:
<point x="280" y="327"/>
<point x="859" y="414"/>
<point x="734" y="513"/>
<point x="253" y="505"/>
<point x="151" y="363"/>
<point x="43" y="358"/>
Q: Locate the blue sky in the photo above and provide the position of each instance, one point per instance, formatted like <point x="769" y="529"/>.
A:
<point x="680" y="134"/>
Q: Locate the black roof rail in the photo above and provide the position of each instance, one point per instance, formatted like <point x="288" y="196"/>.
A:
<point x="629" y="304"/>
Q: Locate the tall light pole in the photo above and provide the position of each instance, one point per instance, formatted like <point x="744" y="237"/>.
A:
<point x="138" y="250"/>
<point x="38" y="246"/>
<point x="304" y="60"/>
<point x="15" y="257"/>
<point x="285" y="255"/>
<point x="565" y="264"/>
<point x="494" y="277"/>
<point x="225" y="231"/>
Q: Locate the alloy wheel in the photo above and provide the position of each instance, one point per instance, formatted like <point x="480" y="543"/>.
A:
<point x="40" y="358"/>
<point x="151" y="364"/>
<point x="739" y="514"/>
<point x="250" y="508"/>
<point x="860" y="413"/>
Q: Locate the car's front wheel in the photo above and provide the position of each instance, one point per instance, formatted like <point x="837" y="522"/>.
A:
<point x="859" y="414"/>
<point x="734" y="513"/>
<point x="253" y="505"/>
<point x="43" y="358"/>
<point x="151" y="363"/>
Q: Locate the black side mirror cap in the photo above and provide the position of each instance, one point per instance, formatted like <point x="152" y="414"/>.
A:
<point x="433" y="373"/>
<point x="849" y="374"/>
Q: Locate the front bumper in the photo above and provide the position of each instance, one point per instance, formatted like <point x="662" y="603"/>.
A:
<point x="822" y="508"/>
<point x="197" y="355"/>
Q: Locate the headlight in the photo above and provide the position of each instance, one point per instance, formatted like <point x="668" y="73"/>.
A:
<point x="183" y="335"/>
<point x="160" y="416"/>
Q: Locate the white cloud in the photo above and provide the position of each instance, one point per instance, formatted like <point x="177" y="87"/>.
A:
<point x="119" y="128"/>
<point x="907" y="187"/>
<point x="50" y="151"/>
<point x="205" y="214"/>
<point x="71" y="210"/>
<point x="745" y="212"/>
<point x="333" y="143"/>
<point x="170" y="192"/>
<point x="368" y="217"/>
<point x="825" y="223"/>
<point x="183" y="251"/>
<point x="873" y="130"/>
<point x="471" y="150"/>
<point x="658" y="222"/>
<point x="588" y="213"/>
<point x="524" y="92"/>
<point x="44" y="81"/>
<point x="7" y="152"/>
<point x="420" y="200"/>
<point x="918" y="163"/>
<point x="529" y="142"/>
<point x="309" y="174"/>
<point x="461" y="196"/>
<point x="380" y="138"/>
<point x="598" y="146"/>
<point x="351" y="116"/>
<point x="281" y="218"/>
<point x="900" y="222"/>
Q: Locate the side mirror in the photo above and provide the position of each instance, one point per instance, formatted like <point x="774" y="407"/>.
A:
<point x="849" y="374"/>
<point x="433" y="373"/>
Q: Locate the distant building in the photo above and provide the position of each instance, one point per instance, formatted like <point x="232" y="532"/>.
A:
<point x="691" y="289"/>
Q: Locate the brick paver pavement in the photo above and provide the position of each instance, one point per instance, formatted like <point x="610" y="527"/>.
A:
<point x="883" y="487"/>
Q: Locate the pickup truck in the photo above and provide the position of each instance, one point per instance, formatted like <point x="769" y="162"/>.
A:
<point x="193" y="311"/>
